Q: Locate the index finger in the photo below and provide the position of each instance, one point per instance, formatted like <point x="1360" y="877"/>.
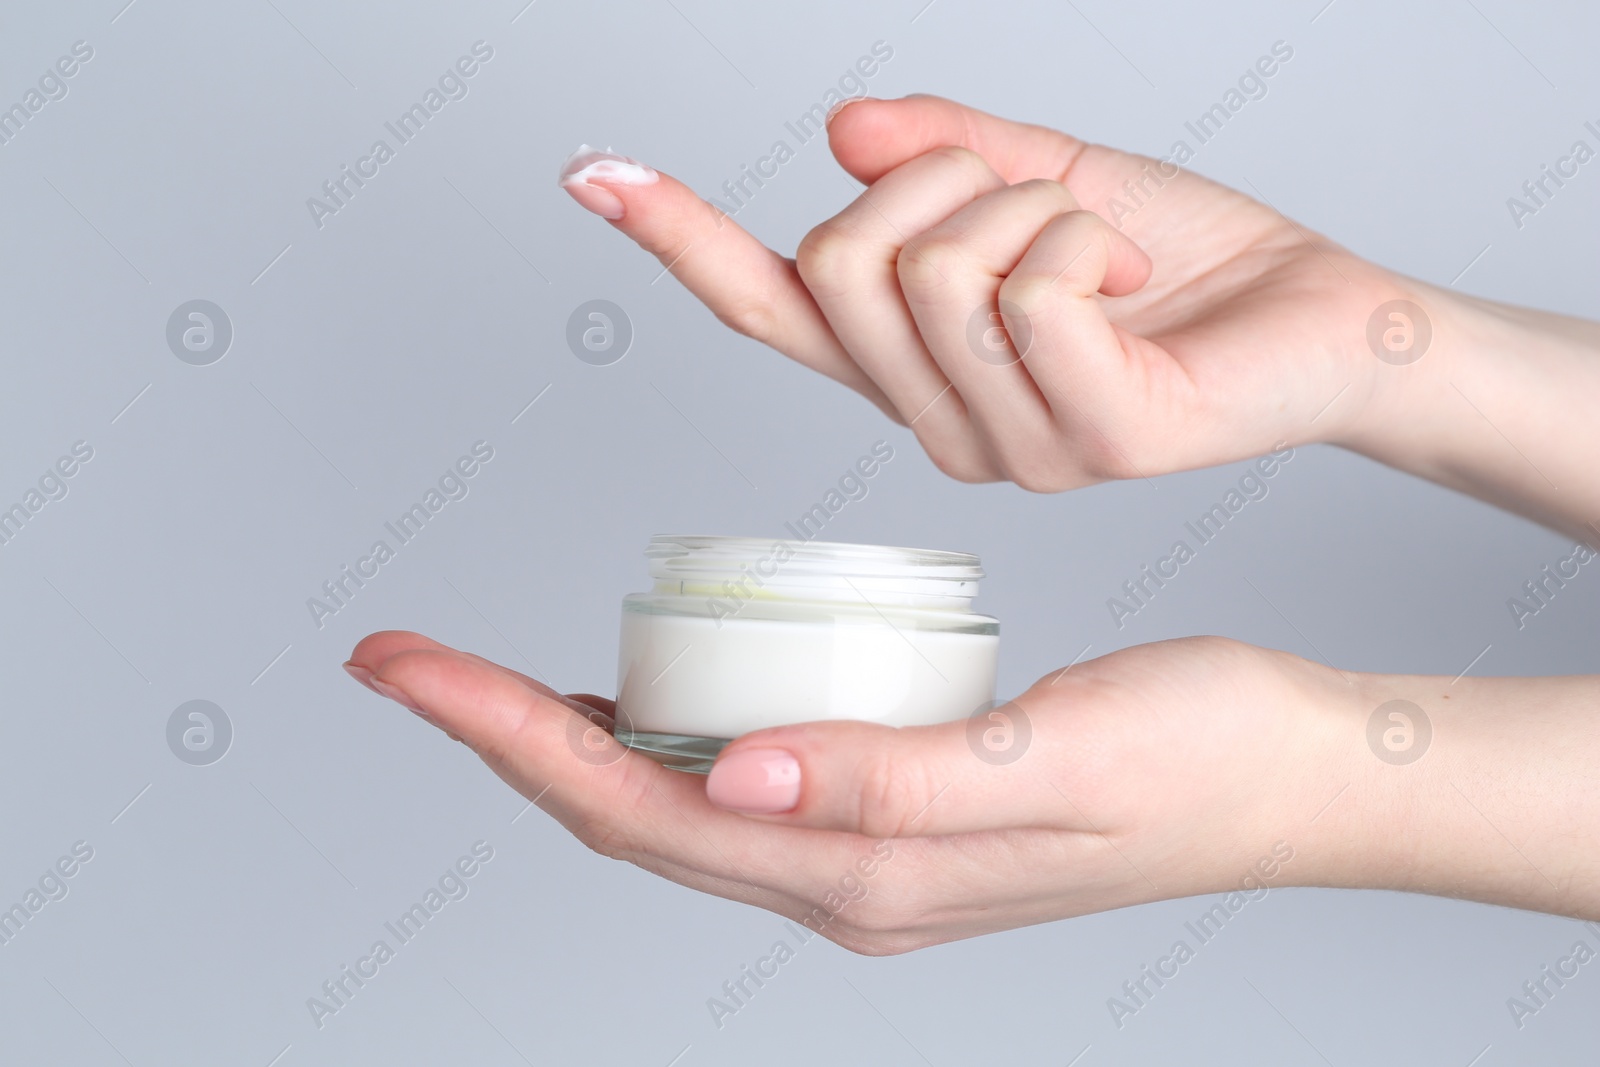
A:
<point x="618" y="802"/>
<point x="747" y="285"/>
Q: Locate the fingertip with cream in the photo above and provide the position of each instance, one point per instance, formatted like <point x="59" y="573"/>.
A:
<point x="588" y="171"/>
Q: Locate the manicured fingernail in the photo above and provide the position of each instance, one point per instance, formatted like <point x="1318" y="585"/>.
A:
<point x="759" y="781"/>
<point x="589" y="165"/>
<point x="398" y="695"/>
<point x="602" y="202"/>
<point x="833" y="112"/>
<point x="359" y="673"/>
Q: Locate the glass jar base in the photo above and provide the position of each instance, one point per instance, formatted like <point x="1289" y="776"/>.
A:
<point x="678" y="752"/>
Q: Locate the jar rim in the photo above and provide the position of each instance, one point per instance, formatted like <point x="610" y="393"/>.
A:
<point x="677" y="553"/>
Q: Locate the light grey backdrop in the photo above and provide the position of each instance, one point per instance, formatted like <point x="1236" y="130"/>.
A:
<point x="369" y="353"/>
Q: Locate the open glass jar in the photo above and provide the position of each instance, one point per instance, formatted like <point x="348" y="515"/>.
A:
<point x="740" y="633"/>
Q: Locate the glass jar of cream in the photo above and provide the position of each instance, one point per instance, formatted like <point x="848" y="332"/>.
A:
<point x="742" y="633"/>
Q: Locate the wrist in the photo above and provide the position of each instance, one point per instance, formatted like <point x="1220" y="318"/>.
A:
<point x="1327" y="779"/>
<point x="1411" y="339"/>
<point x="1486" y="407"/>
<point x="1478" y="788"/>
<point x="1293" y="763"/>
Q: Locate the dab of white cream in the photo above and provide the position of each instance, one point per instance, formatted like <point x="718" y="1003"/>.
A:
<point x="589" y="162"/>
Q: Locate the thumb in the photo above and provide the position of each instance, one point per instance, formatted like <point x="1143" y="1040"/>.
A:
<point x="885" y="782"/>
<point x="869" y="138"/>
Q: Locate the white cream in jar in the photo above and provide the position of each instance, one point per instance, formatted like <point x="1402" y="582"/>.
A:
<point x="738" y="634"/>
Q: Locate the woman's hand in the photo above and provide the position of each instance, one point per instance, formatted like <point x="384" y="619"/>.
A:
<point x="1158" y="772"/>
<point x="1207" y="328"/>
<point x="1153" y="320"/>
<point x="1166" y="770"/>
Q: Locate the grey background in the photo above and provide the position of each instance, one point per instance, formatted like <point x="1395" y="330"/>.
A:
<point x="427" y="314"/>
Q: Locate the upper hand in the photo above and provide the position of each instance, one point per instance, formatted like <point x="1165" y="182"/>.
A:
<point x="1207" y="328"/>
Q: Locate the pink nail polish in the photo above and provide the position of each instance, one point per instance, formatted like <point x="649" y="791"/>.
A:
<point x="759" y="781"/>
<point x="589" y="165"/>
<point x="359" y="673"/>
<point x="398" y="695"/>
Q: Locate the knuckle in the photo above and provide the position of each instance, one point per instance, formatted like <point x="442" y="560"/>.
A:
<point x="1048" y="194"/>
<point x="499" y="748"/>
<point x="966" y="159"/>
<point x="959" y="463"/>
<point x="827" y="258"/>
<point x="957" y="154"/>
<point x="666" y="245"/>
<point x="608" y="827"/>
<point x="893" y="792"/>
<point x="926" y="266"/>
<point x="1100" y="459"/>
<point x="752" y="316"/>
<point x="1036" y="480"/>
<point x="1039" y="306"/>
<point x="1026" y="459"/>
<point x="1044" y="187"/>
<point x="1030" y="293"/>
